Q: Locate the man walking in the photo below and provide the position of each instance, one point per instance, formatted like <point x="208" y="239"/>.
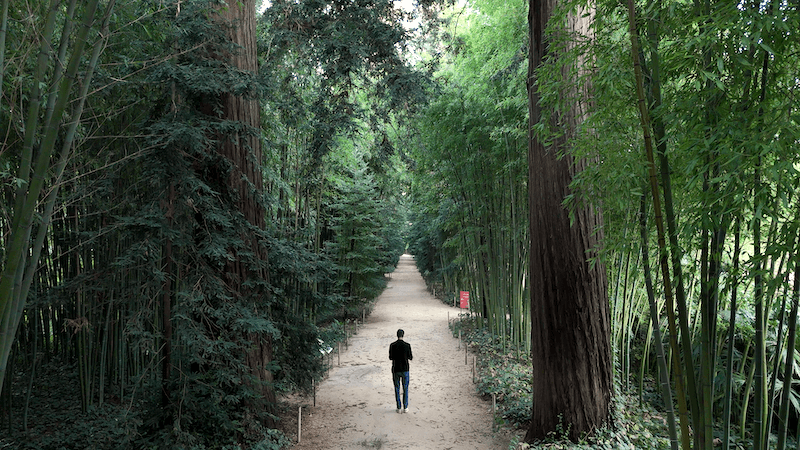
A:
<point x="400" y="354"/>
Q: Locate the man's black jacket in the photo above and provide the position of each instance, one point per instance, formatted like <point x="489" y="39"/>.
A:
<point x="400" y="354"/>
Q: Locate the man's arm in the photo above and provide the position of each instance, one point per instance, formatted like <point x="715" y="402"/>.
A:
<point x="410" y="357"/>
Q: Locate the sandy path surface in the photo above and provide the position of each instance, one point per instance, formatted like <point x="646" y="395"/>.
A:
<point x="355" y="405"/>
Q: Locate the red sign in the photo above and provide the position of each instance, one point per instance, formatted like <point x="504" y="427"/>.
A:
<point x="465" y="299"/>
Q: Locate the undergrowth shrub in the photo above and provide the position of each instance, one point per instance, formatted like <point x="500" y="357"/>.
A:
<point x="506" y="372"/>
<point x="501" y="371"/>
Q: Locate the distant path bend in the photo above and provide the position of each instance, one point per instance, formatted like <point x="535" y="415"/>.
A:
<point x="355" y="404"/>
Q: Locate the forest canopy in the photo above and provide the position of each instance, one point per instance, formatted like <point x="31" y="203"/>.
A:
<point x="199" y="195"/>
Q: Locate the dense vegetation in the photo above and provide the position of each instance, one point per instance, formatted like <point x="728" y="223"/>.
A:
<point x="123" y="230"/>
<point x="152" y="297"/>
<point x="719" y="108"/>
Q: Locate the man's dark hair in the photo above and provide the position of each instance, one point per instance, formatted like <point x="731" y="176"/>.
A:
<point x="400" y="333"/>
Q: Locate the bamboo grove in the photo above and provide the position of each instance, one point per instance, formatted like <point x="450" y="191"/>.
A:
<point x="469" y="229"/>
<point x="161" y="289"/>
<point x="694" y="122"/>
<point x="174" y="267"/>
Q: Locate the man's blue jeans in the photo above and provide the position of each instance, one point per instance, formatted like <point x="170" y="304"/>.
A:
<point x="398" y="377"/>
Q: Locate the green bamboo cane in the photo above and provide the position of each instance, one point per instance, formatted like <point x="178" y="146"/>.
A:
<point x="760" y="355"/>
<point x="68" y="140"/>
<point x="644" y="363"/>
<point x="3" y="32"/>
<point x="659" y="135"/>
<point x="663" y="370"/>
<point x="727" y="398"/>
<point x="627" y="329"/>
<point x="672" y="233"/>
<point x="11" y="284"/>
<point x="779" y="336"/>
<point x="776" y="358"/>
<point x="645" y="123"/>
<point x="11" y="278"/>
<point x="748" y="387"/>
<point x="32" y="125"/>
<point x="788" y="372"/>
<point x="61" y="57"/>
<point x="759" y="432"/>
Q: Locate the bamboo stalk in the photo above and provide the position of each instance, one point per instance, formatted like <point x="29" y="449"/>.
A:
<point x="645" y="123"/>
<point x="11" y="302"/>
<point x="658" y="129"/>
<point x="32" y="374"/>
<point x="15" y="279"/>
<point x="788" y="373"/>
<point x="3" y="32"/>
<point x="726" y="417"/>
<point x="760" y="362"/>
<point x="666" y="391"/>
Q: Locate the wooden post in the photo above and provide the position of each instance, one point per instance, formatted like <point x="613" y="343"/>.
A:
<point x="494" y="409"/>
<point x="299" y="422"/>
<point x="459" y="339"/>
<point x="465" y="354"/>
<point x="474" y="370"/>
<point x="339" y="355"/>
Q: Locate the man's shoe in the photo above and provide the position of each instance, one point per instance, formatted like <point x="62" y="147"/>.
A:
<point x="398" y="410"/>
<point x="405" y="410"/>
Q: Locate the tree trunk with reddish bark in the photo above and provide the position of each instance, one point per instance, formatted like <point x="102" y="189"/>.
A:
<point x="246" y="178"/>
<point x="570" y="337"/>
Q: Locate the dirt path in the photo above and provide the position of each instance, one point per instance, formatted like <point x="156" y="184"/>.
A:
<point x="355" y="404"/>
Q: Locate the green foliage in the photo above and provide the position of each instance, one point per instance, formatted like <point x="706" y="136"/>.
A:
<point x="500" y="372"/>
<point x="469" y="190"/>
<point x="721" y="94"/>
<point x="358" y="243"/>
<point x="508" y="377"/>
<point x="336" y="172"/>
<point x="346" y="168"/>
<point x="300" y="354"/>
<point x="213" y="399"/>
<point x="150" y="217"/>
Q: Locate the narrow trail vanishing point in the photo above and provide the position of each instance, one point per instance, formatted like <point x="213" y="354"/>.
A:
<point x="355" y="407"/>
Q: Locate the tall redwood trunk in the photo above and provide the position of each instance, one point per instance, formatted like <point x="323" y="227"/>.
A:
<point x="570" y="336"/>
<point x="246" y="178"/>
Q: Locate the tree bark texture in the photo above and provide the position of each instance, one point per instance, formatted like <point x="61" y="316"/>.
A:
<point x="570" y="336"/>
<point x="246" y="177"/>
